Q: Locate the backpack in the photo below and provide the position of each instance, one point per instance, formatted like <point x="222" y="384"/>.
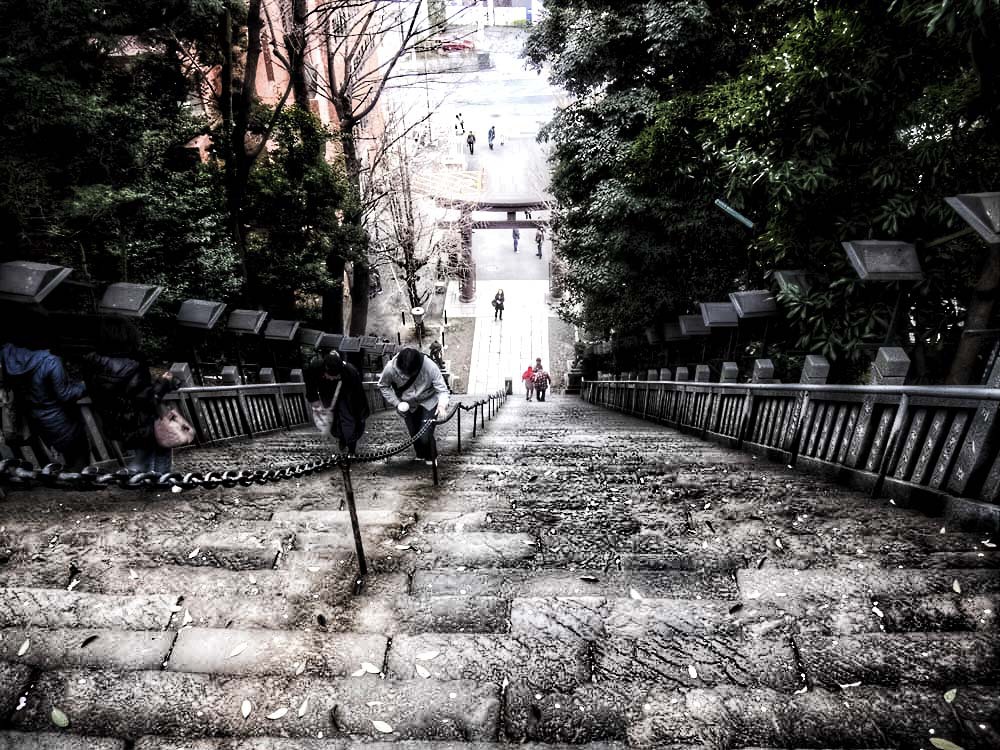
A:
<point x="541" y="380"/>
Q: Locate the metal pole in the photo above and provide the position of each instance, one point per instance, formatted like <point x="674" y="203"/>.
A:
<point x="345" y="468"/>
<point x="474" y="408"/>
<point x="458" y="415"/>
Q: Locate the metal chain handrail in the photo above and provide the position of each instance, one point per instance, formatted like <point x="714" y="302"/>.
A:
<point x="19" y="472"/>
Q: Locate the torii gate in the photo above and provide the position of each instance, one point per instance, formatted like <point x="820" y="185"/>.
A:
<point x="465" y="206"/>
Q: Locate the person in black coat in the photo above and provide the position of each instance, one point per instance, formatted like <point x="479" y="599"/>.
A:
<point x="125" y="396"/>
<point x="334" y="387"/>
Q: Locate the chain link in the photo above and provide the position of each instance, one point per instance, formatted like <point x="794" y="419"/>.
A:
<point x="16" y="472"/>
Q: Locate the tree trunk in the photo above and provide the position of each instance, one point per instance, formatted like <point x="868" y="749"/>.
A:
<point x="359" y="298"/>
<point x="333" y="298"/>
<point x="977" y="317"/>
<point x="295" y="45"/>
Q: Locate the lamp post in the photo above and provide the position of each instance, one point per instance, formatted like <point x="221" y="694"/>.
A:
<point x="198" y="315"/>
<point x="243" y="323"/>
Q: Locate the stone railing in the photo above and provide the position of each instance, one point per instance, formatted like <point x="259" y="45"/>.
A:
<point x="932" y="447"/>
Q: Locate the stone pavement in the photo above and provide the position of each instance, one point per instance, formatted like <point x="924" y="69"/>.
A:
<point x="580" y="578"/>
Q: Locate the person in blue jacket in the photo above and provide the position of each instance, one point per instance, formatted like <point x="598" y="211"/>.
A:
<point x="46" y="395"/>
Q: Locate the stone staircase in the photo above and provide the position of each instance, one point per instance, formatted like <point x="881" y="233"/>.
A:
<point x="580" y="578"/>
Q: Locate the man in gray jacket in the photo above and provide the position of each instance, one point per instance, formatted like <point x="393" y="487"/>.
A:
<point x="414" y="385"/>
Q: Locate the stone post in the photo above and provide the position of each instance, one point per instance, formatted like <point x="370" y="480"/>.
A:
<point x="665" y="374"/>
<point x="652" y="375"/>
<point x="763" y="371"/>
<point x="702" y="374"/>
<point x="730" y="372"/>
<point x="815" y="370"/>
<point x="182" y="372"/>
<point x="266" y="375"/>
<point x="295" y="376"/>
<point x="682" y="375"/>
<point x="890" y="366"/>
<point x="230" y="375"/>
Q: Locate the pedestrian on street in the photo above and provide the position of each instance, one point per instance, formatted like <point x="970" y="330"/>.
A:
<point x="527" y="215"/>
<point x="471" y="140"/>
<point x="459" y="124"/>
<point x="337" y="396"/>
<point x="491" y="136"/>
<point x="528" y="378"/>
<point x="498" y="305"/>
<point x="126" y="396"/>
<point x="517" y="237"/>
<point x="413" y="384"/>
<point x="44" y="395"/>
<point x="539" y="239"/>
<point x="541" y="382"/>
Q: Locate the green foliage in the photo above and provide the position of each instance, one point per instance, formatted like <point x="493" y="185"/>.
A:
<point x="824" y="122"/>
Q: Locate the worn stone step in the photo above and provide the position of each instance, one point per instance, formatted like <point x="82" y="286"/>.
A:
<point x="943" y="659"/>
<point x="377" y="614"/>
<point x="53" y="608"/>
<point x="541" y="662"/>
<point x="124" y="650"/>
<point x="857" y="717"/>
<point x="282" y="743"/>
<point x="197" y="705"/>
<point x="474" y="549"/>
<point x="697" y="661"/>
<point x="277" y="652"/>
<point x="56" y="741"/>
<point x="772" y="584"/>
<point x="593" y="618"/>
<point x="510" y="583"/>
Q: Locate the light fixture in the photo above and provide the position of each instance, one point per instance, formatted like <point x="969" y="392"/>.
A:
<point x="757" y="303"/>
<point x="246" y="321"/>
<point x="692" y="325"/>
<point x="884" y="260"/>
<point x="200" y="313"/>
<point x="981" y="211"/>
<point x="719" y="314"/>
<point x="132" y="300"/>
<point x="281" y="330"/>
<point x="29" y="283"/>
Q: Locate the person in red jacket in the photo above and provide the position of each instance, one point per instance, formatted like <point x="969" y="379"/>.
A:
<point x="528" y="378"/>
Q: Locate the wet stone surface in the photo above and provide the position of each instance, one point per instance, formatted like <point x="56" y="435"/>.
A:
<point x="578" y="577"/>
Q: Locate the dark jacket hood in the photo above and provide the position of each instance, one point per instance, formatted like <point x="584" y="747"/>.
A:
<point x="18" y="361"/>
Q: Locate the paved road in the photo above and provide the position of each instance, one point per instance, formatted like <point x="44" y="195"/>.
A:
<point x="579" y="577"/>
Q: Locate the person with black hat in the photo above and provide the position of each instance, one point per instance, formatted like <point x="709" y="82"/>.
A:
<point x="338" y="400"/>
<point x="414" y="385"/>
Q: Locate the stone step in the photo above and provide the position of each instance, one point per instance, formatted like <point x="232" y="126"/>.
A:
<point x="541" y="662"/>
<point x="830" y="584"/>
<point x="553" y="582"/>
<point x="57" y="741"/>
<point x="273" y="652"/>
<point x="53" y="608"/>
<point x="855" y="717"/>
<point x="377" y="614"/>
<point x="104" y="703"/>
<point x="124" y="650"/>
<point x="281" y="743"/>
<point x="943" y="659"/>
<point x="14" y="680"/>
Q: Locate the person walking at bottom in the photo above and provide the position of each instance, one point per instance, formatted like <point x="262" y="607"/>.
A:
<point x="471" y="140"/>
<point x="541" y="381"/>
<point x="516" y="234"/>
<point x="414" y="385"/>
<point x="338" y="400"/>
<point x="528" y="378"/>
<point x="491" y="136"/>
<point x="498" y="305"/>
<point x="539" y="239"/>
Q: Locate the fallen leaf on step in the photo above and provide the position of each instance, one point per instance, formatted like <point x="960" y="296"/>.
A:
<point x="237" y="651"/>
<point x="59" y="718"/>
<point x="188" y="619"/>
<point x="942" y="744"/>
<point x="370" y="668"/>
<point x="381" y="726"/>
<point x="633" y="594"/>
<point x="403" y="546"/>
<point x="372" y="704"/>
<point x="423" y="672"/>
<point x="426" y="655"/>
<point x="133" y="575"/>
<point x="949" y="696"/>
<point x="300" y="668"/>
<point x="589" y="579"/>
<point x="692" y="671"/>
<point x="956" y="586"/>
<point x="73" y="584"/>
<point x="358" y="672"/>
<point x="278" y="714"/>
<point x="845" y="685"/>
<point x="303" y="707"/>
<point x="246" y="708"/>
<point x="88" y="640"/>
<point x="194" y="553"/>
<point x="24" y="647"/>
<point x="313" y="569"/>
